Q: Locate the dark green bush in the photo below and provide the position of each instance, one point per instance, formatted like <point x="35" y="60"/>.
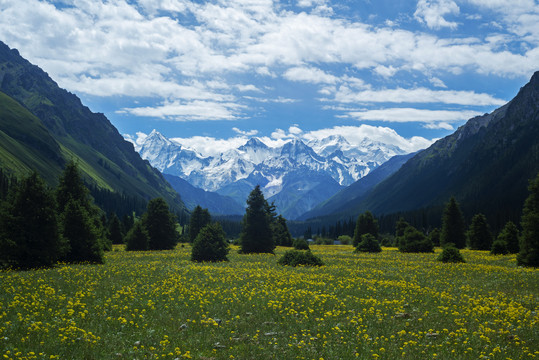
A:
<point x="301" y="244"/>
<point x="368" y="244"/>
<point x="450" y="254"/>
<point x="297" y="257"/>
<point x="210" y="244"/>
<point x="414" y="241"/>
<point x="499" y="247"/>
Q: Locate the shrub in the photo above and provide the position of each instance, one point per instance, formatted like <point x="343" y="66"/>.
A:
<point x="137" y="239"/>
<point x="318" y="240"/>
<point x="368" y="244"/>
<point x="414" y="241"/>
<point x="450" y="254"/>
<point x="210" y="244"/>
<point x="297" y="257"/>
<point x="499" y="247"/>
<point x="434" y="236"/>
<point x="301" y="244"/>
<point x="510" y="236"/>
<point x="345" y="239"/>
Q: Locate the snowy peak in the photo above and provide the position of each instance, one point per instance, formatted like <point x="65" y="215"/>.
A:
<point x="332" y="156"/>
<point x="255" y="151"/>
<point x="253" y="143"/>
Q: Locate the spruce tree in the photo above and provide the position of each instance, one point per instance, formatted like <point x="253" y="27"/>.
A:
<point x="161" y="225"/>
<point x="453" y="225"/>
<point x="210" y="244"/>
<point x="365" y="224"/>
<point x="509" y="236"/>
<point x="29" y="233"/>
<point x="114" y="232"/>
<point x="73" y="199"/>
<point x="529" y="243"/>
<point x="71" y="187"/>
<point x="137" y="238"/>
<point x="79" y="227"/>
<point x="281" y="234"/>
<point x="479" y="236"/>
<point x="256" y="235"/>
<point x="199" y="218"/>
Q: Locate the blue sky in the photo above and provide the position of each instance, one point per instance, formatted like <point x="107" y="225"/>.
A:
<point x="215" y="72"/>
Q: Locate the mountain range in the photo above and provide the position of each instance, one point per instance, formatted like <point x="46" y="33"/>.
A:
<point x="43" y="126"/>
<point x="295" y="176"/>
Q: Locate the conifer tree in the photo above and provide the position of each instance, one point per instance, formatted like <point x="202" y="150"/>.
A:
<point x="115" y="230"/>
<point x="509" y="236"/>
<point x="453" y="225"/>
<point x="281" y="234"/>
<point x="29" y="233"/>
<point x="210" y="244"/>
<point x="79" y="227"/>
<point x="137" y="238"/>
<point x="199" y="218"/>
<point x="529" y="243"/>
<point x="71" y="187"/>
<point x="73" y="198"/>
<point x="479" y="236"/>
<point x="161" y="225"/>
<point x="365" y="224"/>
<point x="256" y="235"/>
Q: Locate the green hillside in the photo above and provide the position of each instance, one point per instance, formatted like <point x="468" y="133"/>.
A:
<point x="25" y="144"/>
<point x="42" y="126"/>
<point x="485" y="164"/>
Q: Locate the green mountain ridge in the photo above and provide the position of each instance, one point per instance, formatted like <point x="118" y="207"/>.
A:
<point x="43" y="126"/>
<point x="485" y="164"/>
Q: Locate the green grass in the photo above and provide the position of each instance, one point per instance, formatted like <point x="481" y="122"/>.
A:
<point x="159" y="305"/>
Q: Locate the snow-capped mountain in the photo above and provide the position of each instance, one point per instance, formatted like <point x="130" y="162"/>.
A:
<point x="330" y="164"/>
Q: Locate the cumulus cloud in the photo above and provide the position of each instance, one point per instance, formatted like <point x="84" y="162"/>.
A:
<point x="245" y="133"/>
<point x="432" y="12"/>
<point x="418" y="96"/>
<point x="357" y="134"/>
<point x="201" y="68"/>
<point x="309" y="75"/>
<point x="413" y="115"/>
<point x="189" y="111"/>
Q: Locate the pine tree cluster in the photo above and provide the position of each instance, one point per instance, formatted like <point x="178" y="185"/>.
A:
<point x="39" y="226"/>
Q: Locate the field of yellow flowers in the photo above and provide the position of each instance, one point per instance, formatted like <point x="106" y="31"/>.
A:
<point x="159" y="305"/>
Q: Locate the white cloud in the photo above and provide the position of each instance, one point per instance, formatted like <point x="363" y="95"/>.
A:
<point x="432" y="12"/>
<point x="294" y="130"/>
<point x="189" y="111"/>
<point x="437" y="82"/>
<point x="309" y="75"/>
<point x="413" y="115"/>
<point x="418" y="96"/>
<point x="210" y="146"/>
<point x="356" y="134"/>
<point x="245" y="133"/>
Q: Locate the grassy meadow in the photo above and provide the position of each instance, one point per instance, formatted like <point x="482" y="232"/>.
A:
<point x="159" y="305"/>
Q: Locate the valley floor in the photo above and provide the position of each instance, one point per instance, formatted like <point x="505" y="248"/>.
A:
<point x="159" y="305"/>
